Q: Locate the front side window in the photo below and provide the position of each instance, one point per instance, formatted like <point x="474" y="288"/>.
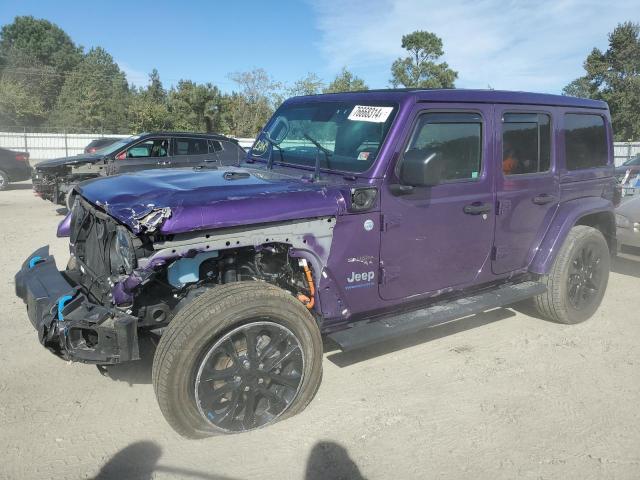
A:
<point x="344" y="136"/>
<point x="118" y="145"/>
<point x="452" y="141"/>
<point x="156" y="147"/>
<point x="526" y="143"/>
<point x="585" y="141"/>
<point x="190" y="146"/>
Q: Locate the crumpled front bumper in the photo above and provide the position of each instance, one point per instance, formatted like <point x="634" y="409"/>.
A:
<point x="68" y="323"/>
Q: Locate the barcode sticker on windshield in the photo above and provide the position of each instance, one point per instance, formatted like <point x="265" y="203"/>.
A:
<point x="370" y="114"/>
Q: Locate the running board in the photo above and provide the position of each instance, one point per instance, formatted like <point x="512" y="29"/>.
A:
<point x="367" y="333"/>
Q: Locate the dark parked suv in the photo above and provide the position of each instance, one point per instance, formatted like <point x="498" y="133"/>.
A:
<point x="14" y="167"/>
<point x="360" y="216"/>
<point x="100" y="143"/>
<point x="54" y="179"/>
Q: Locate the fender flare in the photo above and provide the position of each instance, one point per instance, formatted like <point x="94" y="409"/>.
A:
<point x="568" y="214"/>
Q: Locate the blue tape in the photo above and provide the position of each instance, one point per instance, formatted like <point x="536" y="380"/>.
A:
<point x="34" y="261"/>
<point x="62" y="301"/>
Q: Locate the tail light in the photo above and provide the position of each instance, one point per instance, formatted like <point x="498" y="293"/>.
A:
<point x="22" y="157"/>
<point x="91" y="150"/>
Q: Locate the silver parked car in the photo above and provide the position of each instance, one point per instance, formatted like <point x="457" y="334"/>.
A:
<point x="628" y="225"/>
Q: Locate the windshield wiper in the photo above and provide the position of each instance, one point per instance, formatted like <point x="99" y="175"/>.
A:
<point x="327" y="155"/>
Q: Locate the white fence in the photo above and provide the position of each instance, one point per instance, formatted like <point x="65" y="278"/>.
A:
<point x="623" y="151"/>
<point x="44" y="146"/>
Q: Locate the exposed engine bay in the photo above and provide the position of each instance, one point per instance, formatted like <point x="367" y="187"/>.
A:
<point x="150" y="276"/>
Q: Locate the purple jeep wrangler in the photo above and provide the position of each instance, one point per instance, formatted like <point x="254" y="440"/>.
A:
<point x="359" y="216"/>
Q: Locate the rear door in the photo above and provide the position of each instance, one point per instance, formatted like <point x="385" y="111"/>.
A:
<point x="190" y="152"/>
<point x="146" y="154"/>
<point x="527" y="185"/>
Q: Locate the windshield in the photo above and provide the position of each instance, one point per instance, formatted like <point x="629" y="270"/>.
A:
<point x="117" y="146"/>
<point x="632" y="161"/>
<point x="346" y="136"/>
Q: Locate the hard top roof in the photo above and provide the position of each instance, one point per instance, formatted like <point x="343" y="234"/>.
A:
<point x="215" y="136"/>
<point x="460" y="95"/>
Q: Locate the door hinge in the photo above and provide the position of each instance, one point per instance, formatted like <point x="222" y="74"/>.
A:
<point x="498" y="253"/>
<point x="388" y="274"/>
<point x="503" y="206"/>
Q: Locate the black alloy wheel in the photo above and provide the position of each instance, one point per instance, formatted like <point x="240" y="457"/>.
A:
<point x="249" y="377"/>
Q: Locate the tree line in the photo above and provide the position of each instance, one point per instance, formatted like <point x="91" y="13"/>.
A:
<point x="48" y="81"/>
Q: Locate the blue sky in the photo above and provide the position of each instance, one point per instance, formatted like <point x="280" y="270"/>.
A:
<point x="506" y="44"/>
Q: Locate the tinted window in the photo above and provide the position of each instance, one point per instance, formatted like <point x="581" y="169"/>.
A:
<point x="215" y="146"/>
<point x="456" y="141"/>
<point x="585" y="140"/>
<point x="190" y="146"/>
<point x="149" y="148"/>
<point x="526" y="143"/>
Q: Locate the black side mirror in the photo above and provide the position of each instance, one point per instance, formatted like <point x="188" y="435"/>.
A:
<point x="421" y="168"/>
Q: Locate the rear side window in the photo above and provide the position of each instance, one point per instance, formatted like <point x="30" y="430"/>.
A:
<point x="585" y="141"/>
<point x="456" y="141"/>
<point x="526" y="143"/>
<point x="215" y="146"/>
<point x="190" y="146"/>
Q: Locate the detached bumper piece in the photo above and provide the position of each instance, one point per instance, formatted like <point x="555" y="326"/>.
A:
<point x="68" y="323"/>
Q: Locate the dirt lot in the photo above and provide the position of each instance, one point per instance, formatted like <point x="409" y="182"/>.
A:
<point x="502" y="396"/>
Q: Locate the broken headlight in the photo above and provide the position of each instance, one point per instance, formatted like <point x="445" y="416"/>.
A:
<point x="122" y="252"/>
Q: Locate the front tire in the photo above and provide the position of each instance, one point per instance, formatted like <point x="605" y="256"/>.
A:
<point x="578" y="278"/>
<point x="238" y="357"/>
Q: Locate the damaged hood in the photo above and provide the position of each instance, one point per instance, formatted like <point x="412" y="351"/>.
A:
<point x="175" y="201"/>
<point x="77" y="159"/>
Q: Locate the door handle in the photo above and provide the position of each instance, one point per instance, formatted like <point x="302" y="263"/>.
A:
<point x="543" y="199"/>
<point x="477" y="208"/>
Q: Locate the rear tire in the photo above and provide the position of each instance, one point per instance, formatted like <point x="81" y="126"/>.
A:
<point x="4" y="180"/>
<point x="578" y="278"/>
<point x="208" y="379"/>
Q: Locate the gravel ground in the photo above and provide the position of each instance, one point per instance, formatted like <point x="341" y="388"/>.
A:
<point x="501" y="396"/>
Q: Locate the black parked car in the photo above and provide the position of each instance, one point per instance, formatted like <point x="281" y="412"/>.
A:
<point x="14" y="167"/>
<point x="100" y="143"/>
<point x="54" y="179"/>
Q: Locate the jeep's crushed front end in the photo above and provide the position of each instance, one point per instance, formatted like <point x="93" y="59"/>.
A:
<point x="133" y="269"/>
<point x="69" y="323"/>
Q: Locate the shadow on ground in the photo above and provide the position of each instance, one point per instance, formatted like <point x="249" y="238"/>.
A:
<point x="626" y="265"/>
<point x="344" y="359"/>
<point x="139" y="372"/>
<point x="139" y="461"/>
<point x="18" y="186"/>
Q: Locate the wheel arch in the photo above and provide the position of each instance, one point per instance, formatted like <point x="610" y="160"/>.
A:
<point x="593" y="212"/>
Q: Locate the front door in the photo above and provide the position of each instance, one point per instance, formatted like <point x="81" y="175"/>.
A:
<point x="441" y="236"/>
<point x="527" y="188"/>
